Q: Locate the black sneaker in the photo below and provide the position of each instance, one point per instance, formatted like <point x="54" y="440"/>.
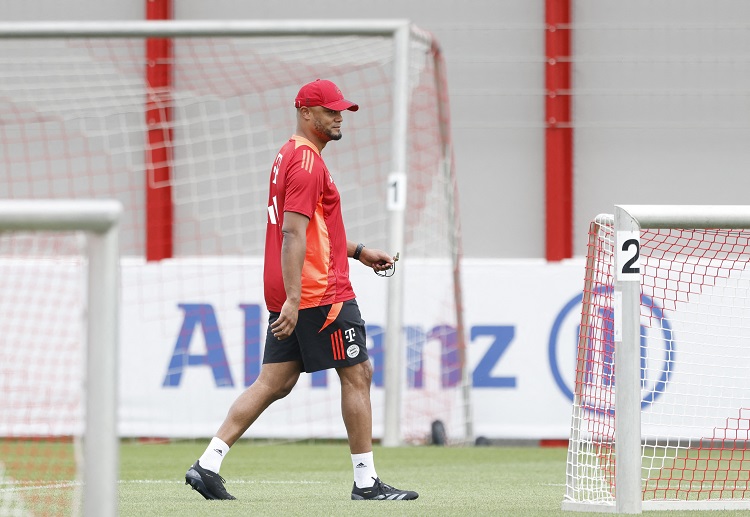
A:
<point x="208" y="484"/>
<point x="382" y="492"/>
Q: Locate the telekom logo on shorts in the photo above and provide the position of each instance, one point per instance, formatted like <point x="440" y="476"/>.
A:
<point x="657" y="349"/>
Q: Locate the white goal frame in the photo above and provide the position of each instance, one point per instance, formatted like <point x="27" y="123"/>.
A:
<point x="403" y="32"/>
<point x="629" y="220"/>
<point x="99" y="220"/>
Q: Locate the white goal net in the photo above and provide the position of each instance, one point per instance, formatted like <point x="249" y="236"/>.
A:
<point x="180" y="121"/>
<point x="687" y="413"/>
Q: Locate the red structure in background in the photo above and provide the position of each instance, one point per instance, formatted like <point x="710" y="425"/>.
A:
<point x="159" y="207"/>
<point x="558" y="132"/>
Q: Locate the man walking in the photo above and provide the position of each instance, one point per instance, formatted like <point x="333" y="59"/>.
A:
<point x="314" y="321"/>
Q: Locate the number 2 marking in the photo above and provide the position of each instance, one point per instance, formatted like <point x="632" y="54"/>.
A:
<point x="628" y="267"/>
<point x="629" y="256"/>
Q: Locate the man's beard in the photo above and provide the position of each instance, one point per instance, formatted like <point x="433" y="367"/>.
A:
<point x="327" y="132"/>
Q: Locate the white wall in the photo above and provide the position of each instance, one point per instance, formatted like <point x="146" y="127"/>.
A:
<point x="55" y="10"/>
<point x="661" y="108"/>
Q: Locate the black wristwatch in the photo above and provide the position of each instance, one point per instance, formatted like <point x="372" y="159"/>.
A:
<point x="358" y="251"/>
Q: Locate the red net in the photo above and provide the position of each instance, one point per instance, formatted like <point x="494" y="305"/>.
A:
<point x="694" y="362"/>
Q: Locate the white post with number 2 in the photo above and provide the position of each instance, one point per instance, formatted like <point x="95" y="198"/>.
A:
<point x="627" y="362"/>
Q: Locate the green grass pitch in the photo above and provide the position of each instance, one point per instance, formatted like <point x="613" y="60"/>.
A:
<point x="315" y="479"/>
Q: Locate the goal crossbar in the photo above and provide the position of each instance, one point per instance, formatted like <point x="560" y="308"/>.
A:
<point x="98" y="216"/>
<point x="689" y="216"/>
<point x="99" y="219"/>
<point x="217" y="28"/>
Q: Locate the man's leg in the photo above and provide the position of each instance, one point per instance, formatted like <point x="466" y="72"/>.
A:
<point x="356" y="410"/>
<point x="355" y="405"/>
<point x="275" y="381"/>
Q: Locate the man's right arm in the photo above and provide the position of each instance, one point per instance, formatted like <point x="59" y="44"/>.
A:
<point x="293" y="248"/>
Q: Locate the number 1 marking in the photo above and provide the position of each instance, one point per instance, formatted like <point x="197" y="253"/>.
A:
<point x="396" y="191"/>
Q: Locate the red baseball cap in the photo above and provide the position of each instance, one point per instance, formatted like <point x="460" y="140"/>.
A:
<point x="323" y="93"/>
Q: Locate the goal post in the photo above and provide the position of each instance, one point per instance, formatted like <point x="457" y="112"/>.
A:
<point x="204" y="141"/>
<point x="98" y="220"/>
<point x="660" y="416"/>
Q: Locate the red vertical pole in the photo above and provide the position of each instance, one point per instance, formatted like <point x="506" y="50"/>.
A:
<point x="159" y="137"/>
<point x="558" y="132"/>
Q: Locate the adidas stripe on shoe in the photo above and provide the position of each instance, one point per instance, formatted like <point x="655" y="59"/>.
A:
<point x="208" y="484"/>
<point x="382" y="492"/>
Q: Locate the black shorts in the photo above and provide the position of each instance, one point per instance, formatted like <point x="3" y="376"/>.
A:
<point x="325" y="337"/>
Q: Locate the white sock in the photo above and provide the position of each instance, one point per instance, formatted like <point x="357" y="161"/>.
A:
<point x="215" y="452"/>
<point x="364" y="469"/>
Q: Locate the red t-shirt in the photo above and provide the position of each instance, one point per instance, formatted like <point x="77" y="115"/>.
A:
<point x="300" y="182"/>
